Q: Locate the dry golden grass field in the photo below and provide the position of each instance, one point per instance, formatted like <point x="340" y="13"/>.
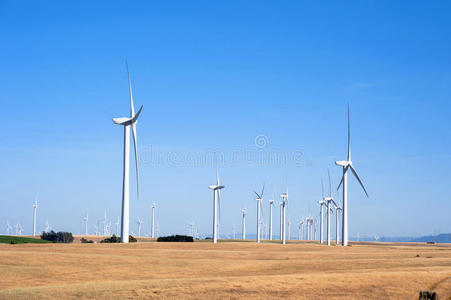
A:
<point x="227" y="270"/>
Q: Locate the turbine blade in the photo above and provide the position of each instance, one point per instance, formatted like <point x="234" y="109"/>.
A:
<point x="263" y="190"/>
<point x="322" y="189"/>
<point x="135" y="144"/>
<point x="219" y="205"/>
<point x="330" y="184"/>
<point x="349" y="136"/>
<point x="341" y="181"/>
<point x="356" y="176"/>
<point x="132" y="108"/>
<point x="258" y="196"/>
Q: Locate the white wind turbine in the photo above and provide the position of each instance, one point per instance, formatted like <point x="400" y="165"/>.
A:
<point x="216" y="202"/>
<point x="127" y="122"/>
<point x="346" y="165"/>
<point x="271" y="202"/>
<point x="243" y="225"/>
<point x="281" y="219"/>
<point x="289" y="230"/>
<point x="8" y="228"/>
<point x="153" y="220"/>
<point x="284" y="202"/>
<point x="328" y="201"/>
<point x="117" y="226"/>
<point x="35" y="206"/>
<point x="140" y="222"/>
<point x="86" y="219"/>
<point x="337" y="224"/>
<point x="47" y="226"/>
<point x="259" y="208"/>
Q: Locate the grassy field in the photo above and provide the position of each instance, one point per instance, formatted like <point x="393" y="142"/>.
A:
<point x="228" y="270"/>
<point x="9" y="239"/>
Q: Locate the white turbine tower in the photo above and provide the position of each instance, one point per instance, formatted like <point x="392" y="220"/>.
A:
<point x="86" y="219"/>
<point x="153" y="220"/>
<point x="289" y="230"/>
<point x="259" y="208"/>
<point x="328" y="201"/>
<point x="281" y="219"/>
<point x="117" y="226"/>
<point x="105" y="224"/>
<point x="35" y="206"/>
<point x="139" y="226"/>
<point x="337" y="223"/>
<point x="127" y="122"/>
<point x="284" y="202"/>
<point x="216" y="202"/>
<point x="243" y="226"/>
<point x="271" y="202"/>
<point x="47" y="226"/>
<point x="346" y="165"/>
<point x="300" y="229"/>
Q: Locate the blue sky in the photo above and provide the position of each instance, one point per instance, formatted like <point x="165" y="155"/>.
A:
<point x="212" y="76"/>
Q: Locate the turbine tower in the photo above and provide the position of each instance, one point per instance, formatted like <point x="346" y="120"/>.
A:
<point x="281" y="219"/>
<point x="139" y="226"/>
<point x="216" y="202"/>
<point x="243" y="211"/>
<point x="259" y="207"/>
<point x="284" y="202"/>
<point x="289" y="229"/>
<point x="153" y="220"/>
<point x="337" y="223"/>
<point x="8" y="228"/>
<point x="86" y="224"/>
<point x="328" y="201"/>
<point x="346" y="165"/>
<point x="35" y="206"/>
<point x="271" y="202"/>
<point x="127" y="122"/>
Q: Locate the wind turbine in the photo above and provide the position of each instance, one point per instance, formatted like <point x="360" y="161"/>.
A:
<point x="127" y="122"/>
<point x="117" y="226"/>
<point x="328" y="201"/>
<point x="346" y="165"/>
<point x="271" y="202"/>
<point x="281" y="219"/>
<point x="300" y="229"/>
<point x="216" y="202"/>
<point x="86" y="219"/>
<point x="8" y="228"/>
<point x="243" y="226"/>
<point x="153" y="220"/>
<point x="337" y="223"/>
<point x="139" y="226"/>
<point x="259" y="208"/>
<point x="35" y="206"/>
<point x="47" y="226"/>
<point x="284" y="202"/>
<point x="105" y="224"/>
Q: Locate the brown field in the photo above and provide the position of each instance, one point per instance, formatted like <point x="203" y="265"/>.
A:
<point x="228" y="270"/>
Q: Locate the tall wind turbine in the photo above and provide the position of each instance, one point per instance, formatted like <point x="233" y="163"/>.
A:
<point x="153" y="220"/>
<point x="346" y="165"/>
<point x="35" y="206"/>
<point x="127" y="122"/>
<point x="86" y="224"/>
<point x="271" y="202"/>
<point x="281" y="219"/>
<point x="139" y="225"/>
<point x="216" y="202"/>
<point x="284" y="202"/>
<point x="259" y="208"/>
<point x="243" y="226"/>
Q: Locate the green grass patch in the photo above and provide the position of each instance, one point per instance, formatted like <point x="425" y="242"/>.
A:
<point x="8" y="239"/>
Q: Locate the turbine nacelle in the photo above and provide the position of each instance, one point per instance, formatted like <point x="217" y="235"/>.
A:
<point x="127" y="121"/>
<point x="343" y="163"/>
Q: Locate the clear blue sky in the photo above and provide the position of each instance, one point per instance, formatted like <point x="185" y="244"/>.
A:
<point x="212" y="76"/>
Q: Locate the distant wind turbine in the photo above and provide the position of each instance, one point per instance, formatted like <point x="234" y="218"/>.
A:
<point x="271" y="202"/>
<point x="86" y="219"/>
<point x="259" y="208"/>
<point x="153" y="220"/>
<point x="216" y="202"/>
<point x="346" y="165"/>
<point x="8" y="228"/>
<point x="35" y="206"/>
<point x="140" y="222"/>
<point x="243" y="225"/>
<point x="127" y="122"/>
<point x="284" y="202"/>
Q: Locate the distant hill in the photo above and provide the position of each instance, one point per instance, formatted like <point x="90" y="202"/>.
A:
<point x="440" y="238"/>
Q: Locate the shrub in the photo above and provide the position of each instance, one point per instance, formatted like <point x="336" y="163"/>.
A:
<point x="175" y="238"/>
<point x="85" y="241"/>
<point x="57" y="237"/>
<point x="113" y="239"/>
<point x="131" y="239"/>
